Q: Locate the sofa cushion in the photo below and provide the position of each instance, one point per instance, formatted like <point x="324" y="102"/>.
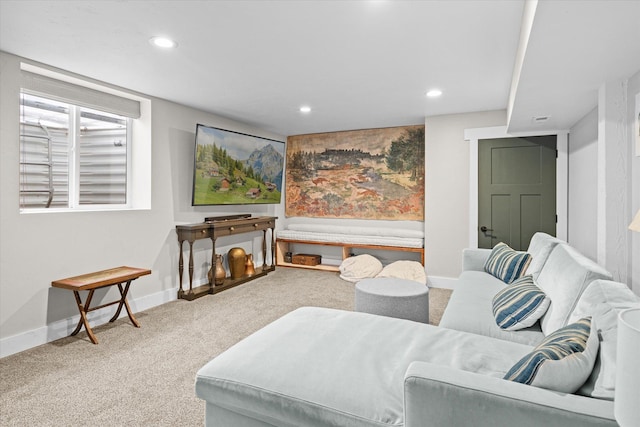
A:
<point x="507" y="264"/>
<point x="319" y="366"/>
<point x="356" y="268"/>
<point x="520" y="304"/>
<point x="564" y="277"/>
<point x="540" y="247"/>
<point x="359" y="231"/>
<point x="563" y="361"/>
<point x="469" y="309"/>
<point x="604" y="300"/>
<point x="474" y="258"/>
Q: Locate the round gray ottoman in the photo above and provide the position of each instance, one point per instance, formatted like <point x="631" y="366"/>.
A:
<point x="387" y="296"/>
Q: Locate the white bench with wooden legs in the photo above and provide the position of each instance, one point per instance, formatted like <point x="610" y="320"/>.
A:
<point x="348" y="239"/>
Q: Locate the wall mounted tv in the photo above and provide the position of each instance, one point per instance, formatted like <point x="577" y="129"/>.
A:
<point x="232" y="168"/>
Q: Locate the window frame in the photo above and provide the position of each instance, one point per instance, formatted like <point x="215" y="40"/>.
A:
<point x="74" y="128"/>
<point x="138" y="180"/>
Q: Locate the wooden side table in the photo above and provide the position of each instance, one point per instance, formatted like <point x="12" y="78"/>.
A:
<point x="101" y="279"/>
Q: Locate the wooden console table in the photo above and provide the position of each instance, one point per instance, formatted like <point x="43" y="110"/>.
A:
<point x="100" y="279"/>
<point x="213" y="228"/>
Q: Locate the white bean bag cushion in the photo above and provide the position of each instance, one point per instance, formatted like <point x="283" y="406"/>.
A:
<point x="409" y="270"/>
<point x="356" y="268"/>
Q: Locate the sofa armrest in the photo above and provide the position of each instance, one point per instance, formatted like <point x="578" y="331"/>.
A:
<point x="474" y="259"/>
<point x="436" y="395"/>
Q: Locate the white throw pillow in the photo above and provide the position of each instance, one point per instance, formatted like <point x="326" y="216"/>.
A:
<point x="604" y="300"/>
<point x="562" y="361"/>
<point x="520" y="304"/>
<point x="409" y="270"/>
<point x="507" y="264"/>
<point x="356" y="268"/>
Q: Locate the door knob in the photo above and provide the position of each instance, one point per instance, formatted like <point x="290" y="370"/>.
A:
<point x="484" y="229"/>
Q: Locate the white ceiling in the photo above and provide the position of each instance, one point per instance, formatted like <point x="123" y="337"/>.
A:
<point x="358" y="64"/>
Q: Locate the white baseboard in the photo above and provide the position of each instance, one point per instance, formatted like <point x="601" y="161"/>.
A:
<point x="441" y="282"/>
<point x="63" y="328"/>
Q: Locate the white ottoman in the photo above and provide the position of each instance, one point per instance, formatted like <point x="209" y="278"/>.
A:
<point x="388" y="296"/>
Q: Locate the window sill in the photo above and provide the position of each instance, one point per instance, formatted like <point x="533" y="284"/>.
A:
<point x="83" y="209"/>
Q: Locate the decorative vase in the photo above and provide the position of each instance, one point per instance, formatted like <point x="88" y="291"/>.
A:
<point x="236" y="258"/>
<point x="249" y="269"/>
<point x="221" y="274"/>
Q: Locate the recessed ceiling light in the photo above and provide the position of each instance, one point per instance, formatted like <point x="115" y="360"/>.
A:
<point x="434" y="93"/>
<point x="305" y="109"/>
<point x="163" y="42"/>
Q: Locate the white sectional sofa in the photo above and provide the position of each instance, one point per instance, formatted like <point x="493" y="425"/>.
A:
<point x="324" y="367"/>
<point x="561" y="271"/>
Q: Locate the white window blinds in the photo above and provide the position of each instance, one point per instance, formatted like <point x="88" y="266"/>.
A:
<point x="79" y="95"/>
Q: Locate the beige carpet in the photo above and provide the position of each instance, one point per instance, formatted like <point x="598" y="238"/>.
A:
<point x="145" y="377"/>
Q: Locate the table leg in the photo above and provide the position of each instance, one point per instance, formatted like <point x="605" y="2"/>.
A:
<point x="83" y="316"/>
<point x="123" y="301"/>
<point x="264" y="250"/>
<point x="180" y="268"/>
<point x="212" y="283"/>
<point x="273" y="248"/>
<point x="190" y="267"/>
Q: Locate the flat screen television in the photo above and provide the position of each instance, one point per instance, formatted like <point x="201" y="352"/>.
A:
<point x="233" y="168"/>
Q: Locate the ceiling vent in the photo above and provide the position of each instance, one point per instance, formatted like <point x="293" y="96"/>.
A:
<point x="540" y="119"/>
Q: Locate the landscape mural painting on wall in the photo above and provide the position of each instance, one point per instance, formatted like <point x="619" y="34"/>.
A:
<point x="363" y="174"/>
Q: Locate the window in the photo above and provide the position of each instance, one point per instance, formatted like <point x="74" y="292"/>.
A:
<point x="75" y="146"/>
<point x="71" y="156"/>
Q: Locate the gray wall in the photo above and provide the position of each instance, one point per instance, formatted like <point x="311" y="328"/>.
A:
<point x="582" y="197"/>
<point x="36" y="248"/>
<point x="633" y="187"/>
<point x="604" y="182"/>
<point x="447" y="190"/>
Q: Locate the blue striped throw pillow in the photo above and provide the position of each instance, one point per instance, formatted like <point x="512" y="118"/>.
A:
<point x="507" y="264"/>
<point x="563" y="361"/>
<point x="520" y="304"/>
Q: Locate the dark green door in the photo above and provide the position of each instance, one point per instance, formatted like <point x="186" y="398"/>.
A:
<point x="516" y="190"/>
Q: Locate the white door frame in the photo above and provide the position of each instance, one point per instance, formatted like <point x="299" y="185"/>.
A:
<point x="562" y="174"/>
